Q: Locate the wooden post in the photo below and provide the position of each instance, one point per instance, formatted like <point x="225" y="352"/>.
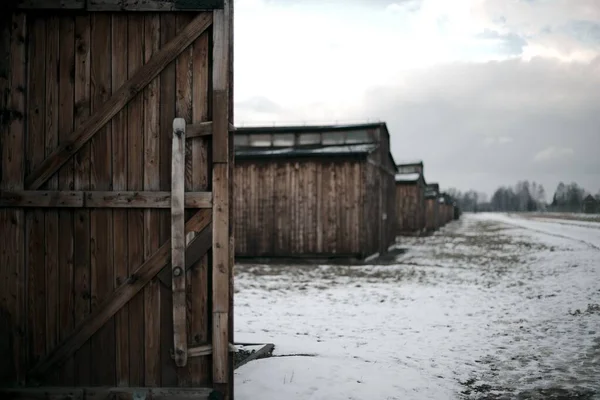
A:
<point x="178" y="242"/>
<point x="221" y="196"/>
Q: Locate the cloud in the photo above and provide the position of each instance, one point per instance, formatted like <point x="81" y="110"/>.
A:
<point x="563" y="29"/>
<point x="553" y="153"/>
<point x="508" y="43"/>
<point x="477" y="125"/>
<point x="479" y="89"/>
<point x="403" y="6"/>
<point x="499" y="140"/>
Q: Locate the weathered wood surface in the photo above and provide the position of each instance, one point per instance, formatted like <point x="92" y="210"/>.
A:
<point x="310" y="207"/>
<point x="410" y="203"/>
<point x="152" y="292"/>
<point x="12" y="222"/>
<point x="119" y="99"/>
<point x="106" y="393"/>
<point x="294" y="208"/>
<point x="221" y="100"/>
<point x="431" y="214"/>
<point x="103" y="209"/>
<point x="119" y="178"/>
<point x="120" y="5"/>
<point x="135" y="282"/>
<point x="100" y="199"/>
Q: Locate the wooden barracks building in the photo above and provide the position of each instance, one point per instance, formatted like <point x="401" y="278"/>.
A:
<point x="410" y="198"/>
<point x="314" y="191"/>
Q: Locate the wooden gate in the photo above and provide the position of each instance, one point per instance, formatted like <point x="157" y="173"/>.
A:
<point x="116" y="251"/>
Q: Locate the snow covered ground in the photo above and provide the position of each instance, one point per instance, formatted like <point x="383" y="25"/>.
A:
<point x="490" y="307"/>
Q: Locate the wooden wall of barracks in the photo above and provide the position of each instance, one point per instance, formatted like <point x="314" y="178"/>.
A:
<point x="410" y="200"/>
<point x="432" y="214"/>
<point x="315" y="206"/>
<point x="58" y="266"/>
<point x="312" y="207"/>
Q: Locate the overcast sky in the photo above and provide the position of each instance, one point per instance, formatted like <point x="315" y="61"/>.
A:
<point x="485" y="92"/>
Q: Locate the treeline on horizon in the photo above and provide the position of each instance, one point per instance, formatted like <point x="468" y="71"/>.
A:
<point x="524" y="196"/>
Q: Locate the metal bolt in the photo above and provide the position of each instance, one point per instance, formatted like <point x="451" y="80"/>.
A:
<point x="177" y="272"/>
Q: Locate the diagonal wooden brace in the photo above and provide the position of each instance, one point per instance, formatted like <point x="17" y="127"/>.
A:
<point x="136" y="282"/>
<point x="118" y="100"/>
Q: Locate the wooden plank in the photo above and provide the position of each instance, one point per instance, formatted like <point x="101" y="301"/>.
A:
<point x="51" y="4"/>
<point x="220" y="273"/>
<point x="35" y="219"/>
<point x="220" y="126"/>
<point x="135" y="181"/>
<point x="99" y="199"/>
<point x="52" y="233"/>
<point x="183" y="90"/>
<point x="12" y="222"/>
<point x="220" y="84"/>
<point x="42" y="198"/>
<point x="221" y="197"/>
<point x="66" y="67"/>
<point x="320" y="201"/>
<point x="202" y="129"/>
<point x="167" y="115"/>
<point x="124" y="293"/>
<point x="178" y="243"/>
<point x="81" y="257"/>
<point x="263" y="352"/>
<point x="314" y="207"/>
<point x="121" y="5"/>
<point x="153" y="5"/>
<point x="355" y="206"/>
<point x="119" y="47"/>
<point x="220" y="345"/>
<point x="199" y="129"/>
<point x="101" y="227"/>
<point x="200" y="369"/>
<point x="341" y="207"/>
<point x="170" y="372"/>
<point x="106" y="393"/>
<point x="7" y="371"/>
<point x="136" y="83"/>
<point x="145" y="199"/>
<point x="152" y="292"/>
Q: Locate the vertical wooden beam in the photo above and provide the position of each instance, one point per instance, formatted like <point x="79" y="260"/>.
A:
<point x="167" y="115"/>
<point x="81" y="268"/>
<point x="178" y="242"/>
<point x="52" y="233"/>
<point x="200" y="368"/>
<point x="119" y="178"/>
<point x="135" y="181"/>
<point x="221" y="197"/>
<point x="12" y="139"/>
<point x="320" y="202"/>
<point x="101" y="220"/>
<point x="152" y="292"/>
<point x="170" y="372"/>
<point x="66" y="78"/>
<point x="183" y="110"/>
<point x="35" y="219"/>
